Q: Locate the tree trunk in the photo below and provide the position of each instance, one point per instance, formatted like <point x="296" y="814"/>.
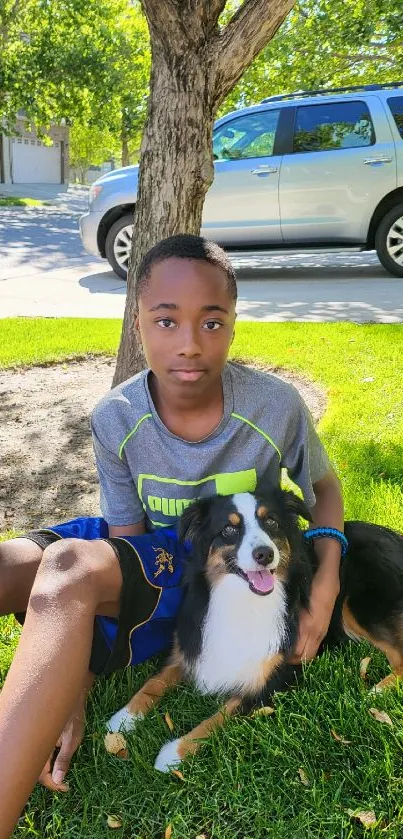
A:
<point x="176" y="171"/>
<point x="195" y="64"/>
<point x="125" y="148"/>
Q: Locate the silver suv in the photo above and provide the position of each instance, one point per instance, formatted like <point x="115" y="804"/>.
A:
<point x="314" y="169"/>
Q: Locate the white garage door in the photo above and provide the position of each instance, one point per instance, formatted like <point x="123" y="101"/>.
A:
<point x="35" y="163"/>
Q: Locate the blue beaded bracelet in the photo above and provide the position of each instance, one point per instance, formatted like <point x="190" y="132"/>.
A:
<point x="330" y="532"/>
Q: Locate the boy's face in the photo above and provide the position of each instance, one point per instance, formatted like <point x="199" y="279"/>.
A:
<point x="186" y="322"/>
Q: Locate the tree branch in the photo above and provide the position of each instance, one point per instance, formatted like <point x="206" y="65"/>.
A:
<point x="209" y="11"/>
<point x="177" y="24"/>
<point x="248" y="31"/>
<point x="162" y="17"/>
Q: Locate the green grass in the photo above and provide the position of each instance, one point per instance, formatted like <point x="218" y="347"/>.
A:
<point x="244" y="784"/>
<point x="12" y="201"/>
<point x="27" y="341"/>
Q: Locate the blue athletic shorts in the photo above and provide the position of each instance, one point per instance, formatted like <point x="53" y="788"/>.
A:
<point x="151" y="567"/>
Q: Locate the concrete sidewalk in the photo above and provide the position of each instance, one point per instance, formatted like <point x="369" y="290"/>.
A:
<point x="44" y="271"/>
<point x="73" y="197"/>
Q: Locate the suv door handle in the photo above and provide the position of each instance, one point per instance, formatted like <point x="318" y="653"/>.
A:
<point x="369" y="161"/>
<point x="264" y="169"/>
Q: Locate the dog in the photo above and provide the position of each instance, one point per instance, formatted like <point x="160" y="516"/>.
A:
<point x="244" y="586"/>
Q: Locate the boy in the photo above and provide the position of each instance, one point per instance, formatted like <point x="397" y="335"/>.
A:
<point x="191" y="425"/>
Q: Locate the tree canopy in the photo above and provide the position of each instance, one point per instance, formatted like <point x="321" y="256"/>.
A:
<point x="326" y="43"/>
<point x="88" y="61"/>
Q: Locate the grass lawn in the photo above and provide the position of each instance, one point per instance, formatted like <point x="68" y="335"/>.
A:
<point x="12" y="201"/>
<point x="245" y="783"/>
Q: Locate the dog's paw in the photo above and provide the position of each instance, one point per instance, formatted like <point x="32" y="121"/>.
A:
<point x="168" y="756"/>
<point x="123" y="720"/>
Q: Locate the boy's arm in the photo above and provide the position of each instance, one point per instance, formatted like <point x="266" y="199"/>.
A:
<point x="127" y="529"/>
<point x="314" y="623"/>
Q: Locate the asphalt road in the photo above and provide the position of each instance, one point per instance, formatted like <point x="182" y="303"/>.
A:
<point x="45" y="271"/>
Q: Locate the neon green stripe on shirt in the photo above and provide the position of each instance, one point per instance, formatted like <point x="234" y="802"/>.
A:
<point x="133" y="431"/>
<point x="259" y="431"/>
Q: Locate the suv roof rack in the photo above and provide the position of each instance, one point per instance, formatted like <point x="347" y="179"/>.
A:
<point x="328" y="90"/>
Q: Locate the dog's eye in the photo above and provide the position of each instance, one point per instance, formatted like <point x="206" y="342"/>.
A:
<point x="230" y="530"/>
<point x="272" y="524"/>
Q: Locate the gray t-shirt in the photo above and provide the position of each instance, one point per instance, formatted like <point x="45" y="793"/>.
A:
<point x="147" y="471"/>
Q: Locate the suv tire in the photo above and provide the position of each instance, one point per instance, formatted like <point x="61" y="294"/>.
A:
<point x="118" y="245"/>
<point x="389" y="241"/>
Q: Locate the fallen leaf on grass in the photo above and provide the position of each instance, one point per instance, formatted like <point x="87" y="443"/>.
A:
<point x="168" y="832"/>
<point x="380" y="716"/>
<point x="169" y="722"/>
<point x="178" y="774"/>
<point x="364" y="666"/>
<point x="366" y="817"/>
<point x="303" y="777"/>
<point x="340" y="738"/>
<point x="116" y="744"/>
<point x="266" y="711"/>
<point x="114" y="822"/>
<point x="201" y="836"/>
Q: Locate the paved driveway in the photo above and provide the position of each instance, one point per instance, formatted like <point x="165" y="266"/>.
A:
<point x="45" y="271"/>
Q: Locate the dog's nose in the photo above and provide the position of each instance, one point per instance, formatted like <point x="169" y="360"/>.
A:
<point x="263" y="554"/>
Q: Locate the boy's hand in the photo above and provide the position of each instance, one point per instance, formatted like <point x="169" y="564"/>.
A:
<point x="314" y="623"/>
<point x="52" y="777"/>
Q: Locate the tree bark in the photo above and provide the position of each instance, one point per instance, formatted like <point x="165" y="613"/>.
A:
<point x="125" y="151"/>
<point x="194" y="66"/>
<point x="176" y="166"/>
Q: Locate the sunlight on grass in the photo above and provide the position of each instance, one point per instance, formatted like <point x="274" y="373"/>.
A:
<point x="12" y="201"/>
<point x="27" y="341"/>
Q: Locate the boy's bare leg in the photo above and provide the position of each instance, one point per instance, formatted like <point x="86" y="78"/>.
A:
<point x="19" y="562"/>
<point x="75" y="581"/>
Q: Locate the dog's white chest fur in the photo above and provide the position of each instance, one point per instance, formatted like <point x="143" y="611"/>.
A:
<point x="240" y="632"/>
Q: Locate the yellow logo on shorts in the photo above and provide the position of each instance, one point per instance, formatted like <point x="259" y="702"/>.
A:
<point x="163" y="561"/>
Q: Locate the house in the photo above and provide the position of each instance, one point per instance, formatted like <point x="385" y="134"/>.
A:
<point x="26" y="159"/>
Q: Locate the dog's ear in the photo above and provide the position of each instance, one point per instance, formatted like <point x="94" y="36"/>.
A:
<point x="193" y="521"/>
<point x="295" y="505"/>
<point x="264" y="488"/>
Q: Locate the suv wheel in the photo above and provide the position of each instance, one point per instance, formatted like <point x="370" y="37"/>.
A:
<point x="389" y="241"/>
<point x="118" y="245"/>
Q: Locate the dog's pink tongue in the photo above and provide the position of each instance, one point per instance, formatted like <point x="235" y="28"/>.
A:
<point x="261" y="580"/>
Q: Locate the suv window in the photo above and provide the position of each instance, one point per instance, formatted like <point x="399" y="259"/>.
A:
<point x="251" y="135"/>
<point x="337" y="125"/>
<point x="396" y="106"/>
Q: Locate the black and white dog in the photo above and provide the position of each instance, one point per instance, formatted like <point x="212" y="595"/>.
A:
<point x="248" y="578"/>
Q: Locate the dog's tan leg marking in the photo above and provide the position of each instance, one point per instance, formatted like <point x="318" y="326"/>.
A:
<point x="393" y="654"/>
<point x="190" y="743"/>
<point x="351" y="626"/>
<point x="395" y="659"/>
<point x="268" y="668"/>
<point x="153" y="690"/>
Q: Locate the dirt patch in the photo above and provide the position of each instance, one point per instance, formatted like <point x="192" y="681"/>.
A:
<point x="47" y="471"/>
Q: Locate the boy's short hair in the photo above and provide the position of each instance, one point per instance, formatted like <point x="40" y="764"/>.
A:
<point x="185" y="246"/>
